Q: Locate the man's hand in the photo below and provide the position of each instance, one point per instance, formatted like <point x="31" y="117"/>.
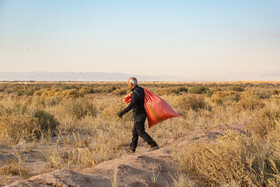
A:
<point x="120" y="115"/>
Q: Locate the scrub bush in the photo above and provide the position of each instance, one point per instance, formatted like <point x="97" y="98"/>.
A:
<point x="250" y="101"/>
<point x="46" y="121"/>
<point x="171" y="90"/>
<point x="193" y="102"/>
<point x="78" y="108"/>
<point x="14" y="127"/>
<point x="224" y="97"/>
<point x="233" y="158"/>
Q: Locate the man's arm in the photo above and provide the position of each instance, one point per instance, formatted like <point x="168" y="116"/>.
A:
<point x="130" y="106"/>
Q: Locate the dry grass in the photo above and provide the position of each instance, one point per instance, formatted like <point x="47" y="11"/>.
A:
<point x="91" y="132"/>
<point x="14" y="166"/>
<point x="13" y="128"/>
<point x="237" y="158"/>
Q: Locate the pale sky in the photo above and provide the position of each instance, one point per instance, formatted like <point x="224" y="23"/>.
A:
<point x="143" y="37"/>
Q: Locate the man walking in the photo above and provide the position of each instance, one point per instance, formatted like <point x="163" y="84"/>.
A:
<point x="139" y="114"/>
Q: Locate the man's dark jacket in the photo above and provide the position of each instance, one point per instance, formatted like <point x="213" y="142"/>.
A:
<point x="137" y="102"/>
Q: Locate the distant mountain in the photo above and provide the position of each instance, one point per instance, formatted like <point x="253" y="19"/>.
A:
<point x="253" y="76"/>
<point x="73" y="76"/>
<point x="96" y="76"/>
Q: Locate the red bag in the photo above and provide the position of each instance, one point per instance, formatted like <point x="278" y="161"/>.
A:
<point x="156" y="108"/>
<point x="127" y="98"/>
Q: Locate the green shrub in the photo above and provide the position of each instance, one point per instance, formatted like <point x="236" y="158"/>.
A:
<point x="209" y="93"/>
<point x="46" y="121"/>
<point x="199" y="90"/>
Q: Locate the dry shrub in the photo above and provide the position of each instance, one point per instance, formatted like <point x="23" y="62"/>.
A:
<point x="110" y="113"/>
<point x="274" y="92"/>
<point x="183" y="181"/>
<point x="74" y="153"/>
<point x="5" y="180"/>
<point x="78" y="108"/>
<point x="13" y="108"/>
<point x="52" y="101"/>
<point x="265" y="122"/>
<point x="108" y="143"/>
<point x="265" y="93"/>
<point x="13" y="128"/>
<point x="194" y="102"/>
<point x="171" y="91"/>
<point x="225" y="97"/>
<point x="233" y="158"/>
<point x="237" y="88"/>
<point x="38" y="103"/>
<point x="47" y="92"/>
<point x="14" y="166"/>
<point x="121" y="91"/>
<point x="76" y="158"/>
<point x="250" y="101"/>
<point x="272" y="115"/>
<point x="85" y="90"/>
<point x="73" y="93"/>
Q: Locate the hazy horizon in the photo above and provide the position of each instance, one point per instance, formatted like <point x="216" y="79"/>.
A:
<point x="173" y="38"/>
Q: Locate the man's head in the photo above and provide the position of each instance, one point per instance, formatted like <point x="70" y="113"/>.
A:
<point x="132" y="82"/>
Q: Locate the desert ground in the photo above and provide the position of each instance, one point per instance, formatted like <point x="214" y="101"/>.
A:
<point x="69" y="134"/>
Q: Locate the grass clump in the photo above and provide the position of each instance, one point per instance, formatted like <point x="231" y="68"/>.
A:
<point x="193" y="102"/>
<point x="14" y="166"/>
<point x="120" y="91"/>
<point x="111" y="112"/>
<point x="234" y="158"/>
<point x="250" y="101"/>
<point x="78" y="108"/>
<point x="13" y="128"/>
<point x="225" y="97"/>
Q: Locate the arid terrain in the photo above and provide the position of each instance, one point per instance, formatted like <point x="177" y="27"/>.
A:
<point x="69" y="134"/>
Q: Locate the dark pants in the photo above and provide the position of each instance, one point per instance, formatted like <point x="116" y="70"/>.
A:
<point x="139" y="130"/>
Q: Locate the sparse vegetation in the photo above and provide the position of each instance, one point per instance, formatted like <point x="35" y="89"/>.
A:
<point x="85" y="129"/>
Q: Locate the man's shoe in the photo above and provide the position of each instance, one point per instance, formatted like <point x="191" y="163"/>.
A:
<point x="154" y="148"/>
<point x="129" y="151"/>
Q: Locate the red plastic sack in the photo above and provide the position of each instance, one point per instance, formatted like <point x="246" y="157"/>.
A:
<point x="127" y="98"/>
<point x="156" y="108"/>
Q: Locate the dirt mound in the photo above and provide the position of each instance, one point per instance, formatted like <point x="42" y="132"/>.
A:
<point x="156" y="168"/>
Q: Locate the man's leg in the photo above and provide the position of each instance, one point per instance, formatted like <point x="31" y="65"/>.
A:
<point x="140" y="128"/>
<point x="134" y="141"/>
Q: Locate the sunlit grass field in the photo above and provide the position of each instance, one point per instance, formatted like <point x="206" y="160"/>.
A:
<point x="74" y="125"/>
